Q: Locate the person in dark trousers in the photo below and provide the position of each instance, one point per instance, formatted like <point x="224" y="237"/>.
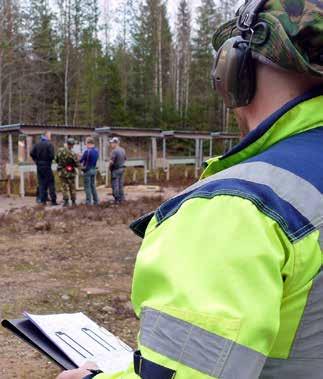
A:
<point x="89" y="161"/>
<point x="117" y="168"/>
<point x="43" y="155"/>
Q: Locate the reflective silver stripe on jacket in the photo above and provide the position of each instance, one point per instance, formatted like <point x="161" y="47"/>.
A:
<point x="197" y="348"/>
<point x="306" y="358"/>
<point x="298" y="192"/>
<point x="304" y="197"/>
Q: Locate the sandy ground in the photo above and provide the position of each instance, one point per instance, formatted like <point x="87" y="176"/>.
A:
<point x="76" y="259"/>
<point x="133" y="193"/>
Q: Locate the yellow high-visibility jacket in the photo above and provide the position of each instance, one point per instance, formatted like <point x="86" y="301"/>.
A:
<point x="228" y="281"/>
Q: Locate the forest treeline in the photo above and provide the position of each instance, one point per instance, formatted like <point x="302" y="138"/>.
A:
<point x="60" y="64"/>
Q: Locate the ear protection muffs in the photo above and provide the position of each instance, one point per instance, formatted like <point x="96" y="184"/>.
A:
<point x="234" y="73"/>
<point x="234" y="70"/>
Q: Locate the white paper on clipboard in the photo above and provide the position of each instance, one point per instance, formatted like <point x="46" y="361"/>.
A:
<point x="82" y="340"/>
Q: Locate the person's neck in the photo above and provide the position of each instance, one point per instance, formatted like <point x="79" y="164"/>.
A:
<point x="264" y="106"/>
<point x="275" y="88"/>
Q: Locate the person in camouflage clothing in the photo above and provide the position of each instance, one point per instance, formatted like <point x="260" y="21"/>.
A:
<point x="67" y="162"/>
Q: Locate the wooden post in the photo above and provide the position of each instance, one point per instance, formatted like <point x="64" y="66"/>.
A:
<point x="166" y="166"/>
<point x="0" y="156"/>
<point x="21" y="149"/>
<point x="105" y="148"/>
<point x="8" y="185"/>
<point x="168" y="174"/>
<point x="106" y="157"/>
<point x="22" y="183"/>
<point x="100" y="154"/>
<point x="29" y="144"/>
<point x="211" y="147"/>
<point x="10" y="147"/>
<point x="145" y="173"/>
<point x="201" y="152"/>
<point x="154" y="153"/>
<point x="197" y="154"/>
<point x="164" y="148"/>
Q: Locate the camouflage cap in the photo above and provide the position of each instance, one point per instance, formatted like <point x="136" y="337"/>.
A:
<point x="71" y="141"/>
<point x="295" y="39"/>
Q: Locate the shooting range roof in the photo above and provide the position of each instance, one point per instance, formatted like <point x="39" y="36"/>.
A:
<point x="36" y="129"/>
<point x="158" y="133"/>
<point x="129" y="132"/>
<point x="78" y="130"/>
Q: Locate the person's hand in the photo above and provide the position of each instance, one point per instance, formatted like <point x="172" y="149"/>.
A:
<point x="79" y="373"/>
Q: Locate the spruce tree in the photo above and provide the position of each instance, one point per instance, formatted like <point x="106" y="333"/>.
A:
<point x="44" y="65"/>
<point x="183" y="59"/>
<point x="151" y="51"/>
<point x="204" y="102"/>
<point x="91" y="50"/>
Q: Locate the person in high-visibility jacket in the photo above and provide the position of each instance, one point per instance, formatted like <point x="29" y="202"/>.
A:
<point x="228" y="282"/>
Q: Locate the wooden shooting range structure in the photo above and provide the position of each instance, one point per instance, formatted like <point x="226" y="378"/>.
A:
<point x="21" y="137"/>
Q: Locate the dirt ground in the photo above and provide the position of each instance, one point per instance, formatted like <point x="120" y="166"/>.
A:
<point x="79" y="259"/>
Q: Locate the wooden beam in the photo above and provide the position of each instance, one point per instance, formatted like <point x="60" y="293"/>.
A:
<point x="34" y="131"/>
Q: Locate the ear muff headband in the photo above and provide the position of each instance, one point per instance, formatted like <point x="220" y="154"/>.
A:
<point x="234" y="72"/>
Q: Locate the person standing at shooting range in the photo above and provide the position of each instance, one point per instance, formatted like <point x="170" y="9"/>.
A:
<point x="43" y="154"/>
<point x="67" y="162"/>
<point x="89" y="161"/>
<point x="117" y="168"/>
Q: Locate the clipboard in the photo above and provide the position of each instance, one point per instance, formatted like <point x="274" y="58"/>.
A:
<point x="28" y="332"/>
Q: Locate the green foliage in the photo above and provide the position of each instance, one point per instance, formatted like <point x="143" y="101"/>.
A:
<point x="58" y="65"/>
<point x="204" y="109"/>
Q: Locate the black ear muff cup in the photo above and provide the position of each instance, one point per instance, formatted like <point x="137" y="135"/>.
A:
<point x="234" y="73"/>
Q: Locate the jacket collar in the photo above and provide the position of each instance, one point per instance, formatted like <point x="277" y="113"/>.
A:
<point x="298" y="115"/>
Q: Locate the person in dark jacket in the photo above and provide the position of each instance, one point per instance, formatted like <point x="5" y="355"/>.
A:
<point x="43" y="155"/>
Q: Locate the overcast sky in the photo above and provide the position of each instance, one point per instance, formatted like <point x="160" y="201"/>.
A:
<point x="172" y="8"/>
<point x="172" y="5"/>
